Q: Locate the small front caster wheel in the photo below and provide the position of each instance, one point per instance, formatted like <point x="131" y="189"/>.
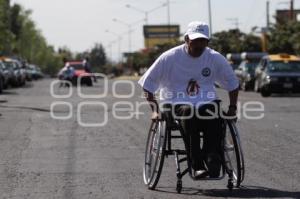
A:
<point x="179" y="186"/>
<point x="230" y="185"/>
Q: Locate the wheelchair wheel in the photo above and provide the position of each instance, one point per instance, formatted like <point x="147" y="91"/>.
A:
<point x="233" y="155"/>
<point x="155" y="152"/>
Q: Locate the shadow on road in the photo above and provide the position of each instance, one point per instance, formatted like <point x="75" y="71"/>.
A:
<point x="288" y="95"/>
<point x="27" y="108"/>
<point x="69" y="174"/>
<point x="5" y="92"/>
<point x="243" y="192"/>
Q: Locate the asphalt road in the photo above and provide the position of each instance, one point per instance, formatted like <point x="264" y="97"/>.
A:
<point x="45" y="156"/>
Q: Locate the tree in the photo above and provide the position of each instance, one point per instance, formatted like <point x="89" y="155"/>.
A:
<point x="235" y="41"/>
<point x="29" y="43"/>
<point x="98" y="57"/>
<point x="6" y="37"/>
<point x="16" y="20"/>
<point x="285" y="38"/>
<point x="251" y="43"/>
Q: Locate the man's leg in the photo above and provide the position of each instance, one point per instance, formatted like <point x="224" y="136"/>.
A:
<point x="212" y="129"/>
<point x="192" y="136"/>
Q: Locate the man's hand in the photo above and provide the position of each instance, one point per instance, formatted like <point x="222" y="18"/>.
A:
<point x="233" y="97"/>
<point x="155" y="115"/>
<point x="232" y="113"/>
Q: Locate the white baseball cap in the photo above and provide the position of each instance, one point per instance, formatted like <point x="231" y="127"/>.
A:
<point x="197" y="29"/>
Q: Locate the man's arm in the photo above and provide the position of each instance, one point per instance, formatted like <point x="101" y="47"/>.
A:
<point x="233" y="98"/>
<point x="150" y="97"/>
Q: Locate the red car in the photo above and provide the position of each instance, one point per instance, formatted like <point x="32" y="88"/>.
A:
<point x="86" y="77"/>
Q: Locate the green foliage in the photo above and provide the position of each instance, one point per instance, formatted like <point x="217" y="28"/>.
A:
<point x="19" y="37"/>
<point x="146" y="58"/>
<point x="235" y="41"/>
<point x="98" y="57"/>
<point x="285" y="38"/>
<point x="6" y="37"/>
<point x="16" y="21"/>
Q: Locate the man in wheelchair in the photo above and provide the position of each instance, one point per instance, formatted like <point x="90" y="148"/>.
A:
<point x="185" y="76"/>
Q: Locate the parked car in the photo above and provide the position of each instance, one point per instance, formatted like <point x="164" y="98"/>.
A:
<point x="34" y="71"/>
<point x="278" y="73"/>
<point x="6" y="75"/>
<point x="9" y="65"/>
<point x="38" y="73"/>
<point x="19" y="71"/>
<point x="28" y="73"/>
<point x="246" y="70"/>
<point x="234" y="59"/>
<point x="2" y="76"/>
<point x="22" y="70"/>
<point x="245" y="73"/>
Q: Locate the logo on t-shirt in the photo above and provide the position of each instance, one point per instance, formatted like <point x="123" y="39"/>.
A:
<point x="206" y="72"/>
<point x="192" y="88"/>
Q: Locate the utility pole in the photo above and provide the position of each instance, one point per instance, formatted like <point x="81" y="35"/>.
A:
<point x="268" y="14"/>
<point x="169" y="20"/>
<point x="119" y="43"/>
<point x="146" y="12"/>
<point x="209" y="17"/>
<point x="235" y="21"/>
<point x="292" y="10"/>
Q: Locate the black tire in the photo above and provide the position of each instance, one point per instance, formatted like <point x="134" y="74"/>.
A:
<point x="265" y="92"/>
<point x="23" y="83"/>
<point x="5" y="86"/>
<point x="155" y="153"/>
<point x="233" y="154"/>
<point x="1" y="85"/>
<point x="89" y="82"/>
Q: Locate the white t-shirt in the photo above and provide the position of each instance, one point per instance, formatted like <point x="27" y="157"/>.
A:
<point x="183" y="79"/>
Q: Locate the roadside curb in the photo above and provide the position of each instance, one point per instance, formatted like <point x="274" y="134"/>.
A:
<point x="127" y="78"/>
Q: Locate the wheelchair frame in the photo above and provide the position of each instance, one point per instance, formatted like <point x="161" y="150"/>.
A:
<point x="159" y="145"/>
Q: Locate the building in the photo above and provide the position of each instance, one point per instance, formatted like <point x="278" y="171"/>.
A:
<point x="161" y="34"/>
<point x="283" y="16"/>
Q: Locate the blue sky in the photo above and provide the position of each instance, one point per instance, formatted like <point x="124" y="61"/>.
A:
<point x="78" y="24"/>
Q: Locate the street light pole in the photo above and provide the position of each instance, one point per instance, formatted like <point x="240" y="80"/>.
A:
<point x="129" y="32"/>
<point x="110" y="49"/>
<point x="139" y="10"/>
<point x="235" y="21"/>
<point x="169" y="20"/>
<point x="209" y="17"/>
<point x="169" y="15"/>
<point x="268" y="14"/>
<point x="119" y="43"/>
<point x="146" y="14"/>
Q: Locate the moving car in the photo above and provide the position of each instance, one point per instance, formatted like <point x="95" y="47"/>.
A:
<point x="86" y="78"/>
<point x="246" y="70"/>
<point x="278" y="73"/>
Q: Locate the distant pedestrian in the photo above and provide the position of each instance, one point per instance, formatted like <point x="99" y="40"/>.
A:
<point x="86" y="64"/>
<point x="67" y="73"/>
<point x="87" y="67"/>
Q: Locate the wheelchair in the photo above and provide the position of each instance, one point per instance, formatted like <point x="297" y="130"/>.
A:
<point x="159" y="146"/>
